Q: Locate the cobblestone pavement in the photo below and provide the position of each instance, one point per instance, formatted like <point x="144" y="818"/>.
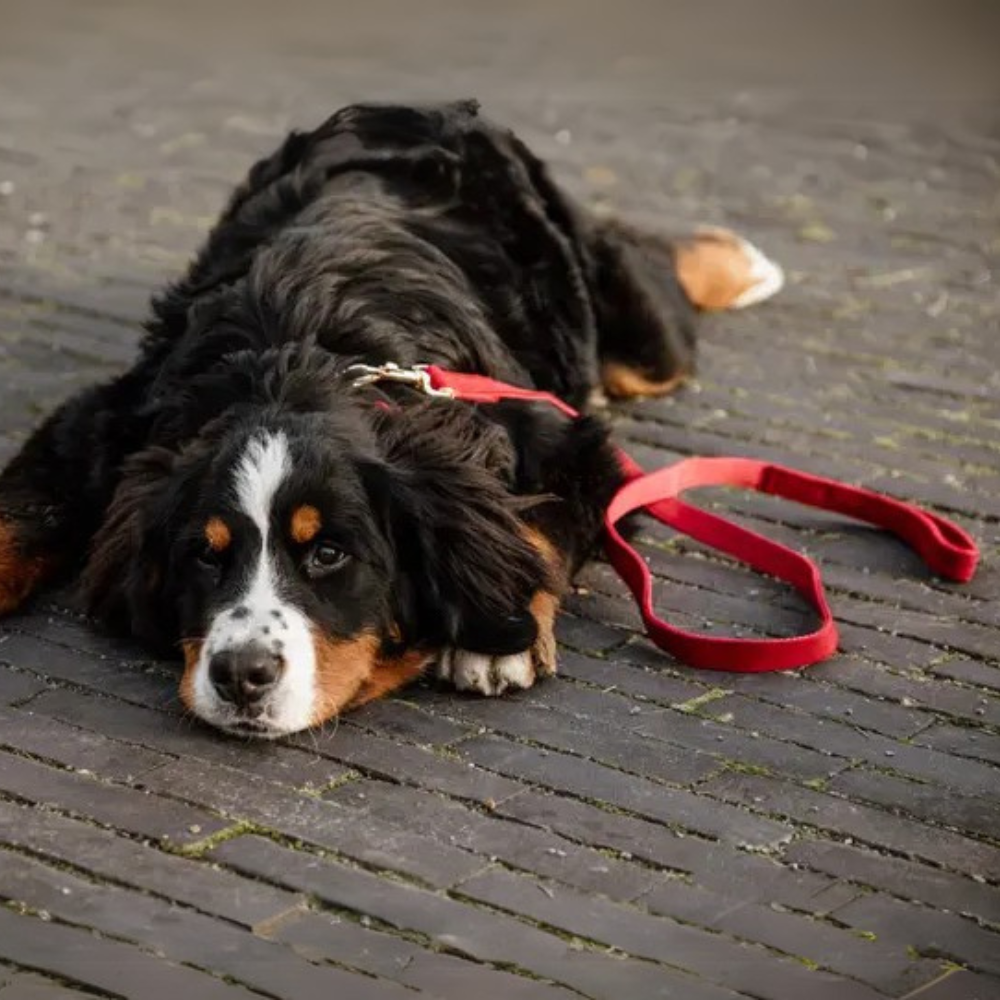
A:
<point x="632" y="829"/>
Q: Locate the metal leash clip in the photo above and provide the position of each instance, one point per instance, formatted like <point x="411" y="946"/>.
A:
<point x="416" y="376"/>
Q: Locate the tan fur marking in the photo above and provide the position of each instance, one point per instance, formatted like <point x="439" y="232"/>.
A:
<point x="343" y="666"/>
<point x="306" y="523"/>
<point x="18" y="576"/>
<point x="544" y="607"/>
<point x="545" y="604"/>
<point x="713" y="268"/>
<point x="390" y="674"/>
<point x="192" y="651"/>
<point x="623" y="382"/>
<point x="217" y="534"/>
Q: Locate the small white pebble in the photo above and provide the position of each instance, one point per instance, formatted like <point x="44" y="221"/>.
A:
<point x="6" y="188"/>
<point x="564" y="137"/>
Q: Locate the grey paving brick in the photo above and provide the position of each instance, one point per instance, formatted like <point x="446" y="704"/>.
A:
<point x="971" y="672"/>
<point x="118" y="859"/>
<point x="241" y="796"/>
<point x="866" y="824"/>
<point x="184" y="936"/>
<point x="749" y="747"/>
<point x="113" y="805"/>
<point x="372" y="753"/>
<point x="924" y="691"/>
<point x="29" y="986"/>
<point x="931" y="802"/>
<point x="174" y="735"/>
<point x="105" y="676"/>
<point x="18" y="687"/>
<point x="838" y="738"/>
<point x="883" y="647"/>
<point x="469" y="931"/>
<point x="397" y="718"/>
<point x="716" y="865"/>
<point x="446" y="976"/>
<point x="962" y="742"/>
<point x="899" y="877"/>
<point x="29" y="732"/>
<point x="651" y="680"/>
<point x="323" y="936"/>
<point x="561" y="714"/>
<point x="738" y="966"/>
<point x="520" y="846"/>
<point x="931" y="933"/>
<point x="587" y="635"/>
<point x="946" y="633"/>
<point x="120" y="969"/>
<point x="823" y="700"/>
<point x="959" y="984"/>
<point x="888" y="968"/>
<point x="676" y="808"/>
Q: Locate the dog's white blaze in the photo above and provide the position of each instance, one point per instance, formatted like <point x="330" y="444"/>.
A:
<point x="259" y="614"/>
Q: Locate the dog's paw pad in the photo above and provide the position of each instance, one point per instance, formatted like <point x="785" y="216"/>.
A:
<point x="489" y="675"/>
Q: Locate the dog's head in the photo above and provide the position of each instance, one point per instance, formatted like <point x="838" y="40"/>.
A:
<point x="292" y="553"/>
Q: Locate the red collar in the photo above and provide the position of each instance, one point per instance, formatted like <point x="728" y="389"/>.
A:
<point x="944" y="546"/>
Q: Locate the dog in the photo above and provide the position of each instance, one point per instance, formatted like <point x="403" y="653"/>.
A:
<point x="310" y="542"/>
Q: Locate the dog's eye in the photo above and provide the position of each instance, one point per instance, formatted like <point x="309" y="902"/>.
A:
<point x="209" y="558"/>
<point x="324" y="559"/>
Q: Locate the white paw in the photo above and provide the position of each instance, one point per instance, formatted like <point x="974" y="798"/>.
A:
<point x="489" y="675"/>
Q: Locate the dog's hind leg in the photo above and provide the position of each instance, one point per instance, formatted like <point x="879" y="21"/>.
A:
<point x="649" y="291"/>
<point x="53" y="492"/>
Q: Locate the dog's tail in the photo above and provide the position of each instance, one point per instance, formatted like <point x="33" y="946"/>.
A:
<point x="720" y="270"/>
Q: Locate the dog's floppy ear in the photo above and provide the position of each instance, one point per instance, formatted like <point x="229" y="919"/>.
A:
<point x="466" y="571"/>
<point x="127" y="569"/>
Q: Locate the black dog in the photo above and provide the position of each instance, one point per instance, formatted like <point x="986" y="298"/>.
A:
<point x="313" y="543"/>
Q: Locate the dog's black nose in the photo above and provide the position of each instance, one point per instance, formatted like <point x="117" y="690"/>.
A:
<point x="245" y="675"/>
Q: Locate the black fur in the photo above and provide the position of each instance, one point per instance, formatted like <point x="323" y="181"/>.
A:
<point x="387" y="234"/>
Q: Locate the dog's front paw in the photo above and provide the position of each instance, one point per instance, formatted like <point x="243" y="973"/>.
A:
<point x="489" y="675"/>
<point x="492" y="675"/>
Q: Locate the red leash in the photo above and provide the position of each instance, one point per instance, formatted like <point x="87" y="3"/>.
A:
<point x="945" y="547"/>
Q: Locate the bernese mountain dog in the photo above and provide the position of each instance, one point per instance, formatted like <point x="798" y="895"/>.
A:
<point x="311" y="540"/>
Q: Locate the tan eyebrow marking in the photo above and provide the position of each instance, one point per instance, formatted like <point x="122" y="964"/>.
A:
<point x="306" y="523"/>
<point x="217" y="534"/>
